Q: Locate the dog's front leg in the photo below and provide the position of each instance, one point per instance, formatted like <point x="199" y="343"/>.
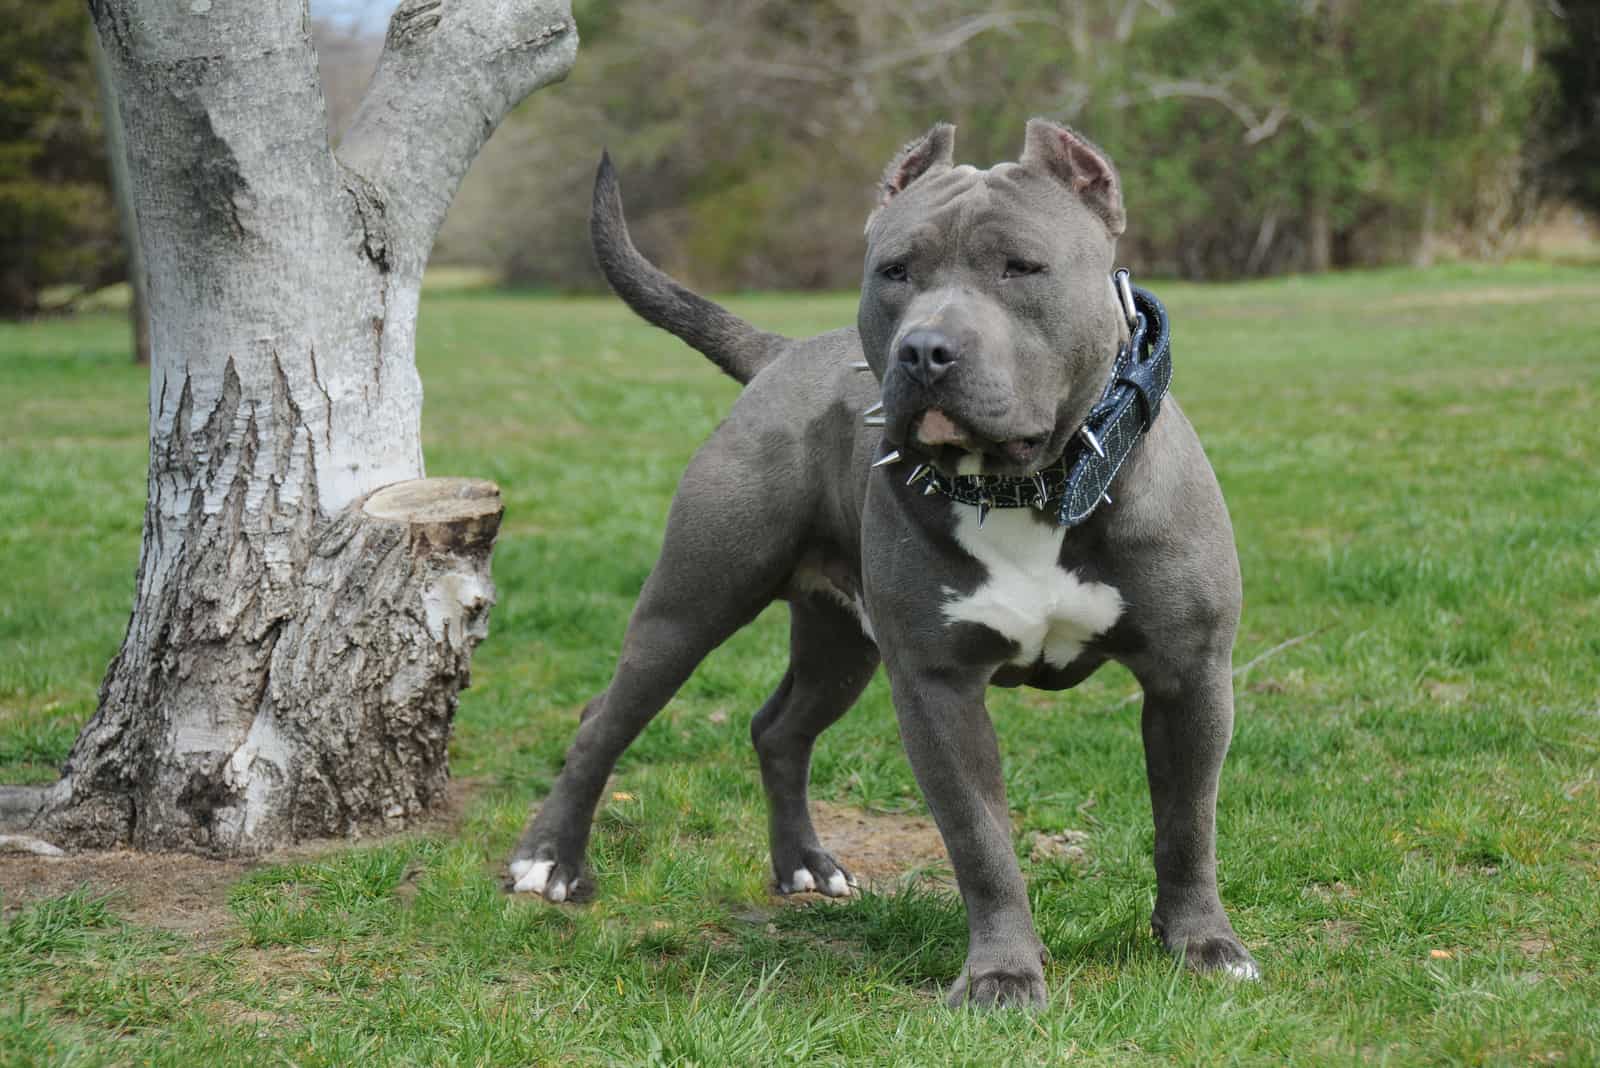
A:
<point x="1187" y="724"/>
<point x="952" y="747"/>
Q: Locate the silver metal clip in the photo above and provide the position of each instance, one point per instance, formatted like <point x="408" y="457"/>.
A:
<point x="1125" y="295"/>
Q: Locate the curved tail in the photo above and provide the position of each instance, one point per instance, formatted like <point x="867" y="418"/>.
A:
<point x="732" y="344"/>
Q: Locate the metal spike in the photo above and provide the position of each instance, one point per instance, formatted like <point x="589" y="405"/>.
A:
<point x="860" y="365"/>
<point x="874" y="410"/>
<point x="917" y="473"/>
<point x="983" y="513"/>
<point x="1090" y="440"/>
<point x="929" y="490"/>
<point x="892" y="457"/>
<point x="875" y="420"/>
<point x="1106" y="497"/>
<point x="1038" y="502"/>
<point x="1044" y="491"/>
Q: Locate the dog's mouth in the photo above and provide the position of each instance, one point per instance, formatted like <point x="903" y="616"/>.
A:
<point x="957" y="448"/>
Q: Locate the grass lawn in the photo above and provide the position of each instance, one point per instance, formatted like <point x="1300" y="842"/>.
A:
<point x="1409" y="820"/>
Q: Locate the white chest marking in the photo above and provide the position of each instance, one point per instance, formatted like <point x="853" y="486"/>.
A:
<point x="1027" y="596"/>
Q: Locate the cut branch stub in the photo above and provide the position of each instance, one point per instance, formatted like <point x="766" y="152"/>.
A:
<point x="445" y="514"/>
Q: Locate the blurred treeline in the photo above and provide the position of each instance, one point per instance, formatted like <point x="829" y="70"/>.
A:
<point x="1253" y="136"/>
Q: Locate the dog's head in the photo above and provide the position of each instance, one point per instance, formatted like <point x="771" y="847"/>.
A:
<point x="987" y="307"/>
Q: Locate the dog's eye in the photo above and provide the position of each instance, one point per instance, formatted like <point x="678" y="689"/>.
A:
<point x="894" y="272"/>
<point x="1016" y="268"/>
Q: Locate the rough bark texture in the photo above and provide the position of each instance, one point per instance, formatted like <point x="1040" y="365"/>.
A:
<point x="297" y="641"/>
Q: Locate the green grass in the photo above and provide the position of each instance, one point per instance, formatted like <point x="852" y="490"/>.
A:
<point x="1409" y="819"/>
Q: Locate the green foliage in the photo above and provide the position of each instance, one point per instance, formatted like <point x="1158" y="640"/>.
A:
<point x="1410" y="814"/>
<point x="1254" y="136"/>
<point x="1261" y="136"/>
<point x="57" y="223"/>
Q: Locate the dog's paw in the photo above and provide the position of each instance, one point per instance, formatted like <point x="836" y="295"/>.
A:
<point x="1209" y="947"/>
<point x="1222" y="955"/>
<point x="999" y="988"/>
<point x="814" y="869"/>
<point x="549" y="878"/>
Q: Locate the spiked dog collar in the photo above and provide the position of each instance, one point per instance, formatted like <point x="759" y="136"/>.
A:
<point x="1077" y="482"/>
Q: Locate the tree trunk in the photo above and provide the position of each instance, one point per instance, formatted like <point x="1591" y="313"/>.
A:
<point x="299" y="633"/>
<point x="1423" y="254"/>
<point x="122" y="193"/>
<point x="1319" y="238"/>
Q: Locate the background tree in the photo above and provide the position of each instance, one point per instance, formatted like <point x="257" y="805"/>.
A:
<point x="1571" y="157"/>
<point x="57" y="223"/>
<point x="122" y="194"/>
<point x="306" y="602"/>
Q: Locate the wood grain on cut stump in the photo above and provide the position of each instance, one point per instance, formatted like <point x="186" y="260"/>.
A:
<point x="444" y="514"/>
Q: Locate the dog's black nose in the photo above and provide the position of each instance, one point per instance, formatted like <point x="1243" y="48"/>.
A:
<point x="926" y="355"/>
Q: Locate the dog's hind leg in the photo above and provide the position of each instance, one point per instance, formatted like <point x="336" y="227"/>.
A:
<point x="720" y="565"/>
<point x="831" y="660"/>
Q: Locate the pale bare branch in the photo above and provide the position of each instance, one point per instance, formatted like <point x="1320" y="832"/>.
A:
<point x="949" y="38"/>
<point x="1257" y="127"/>
<point x="450" y="71"/>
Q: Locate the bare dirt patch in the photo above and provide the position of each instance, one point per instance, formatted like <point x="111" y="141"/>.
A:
<point x="1535" y="945"/>
<point x="1338" y="934"/>
<point x="171" y="891"/>
<point x="881" y="848"/>
<point x="176" y="891"/>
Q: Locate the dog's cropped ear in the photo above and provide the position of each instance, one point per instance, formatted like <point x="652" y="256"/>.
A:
<point x="934" y="150"/>
<point x="1079" y="165"/>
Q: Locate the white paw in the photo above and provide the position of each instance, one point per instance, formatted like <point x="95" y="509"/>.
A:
<point x="837" y="886"/>
<point x="800" y="880"/>
<point x="519" y="868"/>
<point x="533" y="880"/>
<point x="1245" y="971"/>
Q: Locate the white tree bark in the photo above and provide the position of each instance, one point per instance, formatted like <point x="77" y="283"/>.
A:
<point x="297" y="641"/>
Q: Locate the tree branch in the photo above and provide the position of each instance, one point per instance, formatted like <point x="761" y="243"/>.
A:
<point x="450" y="71"/>
<point x="1257" y="127"/>
<point x="949" y="38"/>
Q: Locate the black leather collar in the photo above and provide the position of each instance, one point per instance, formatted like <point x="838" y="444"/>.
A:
<point x="1076" y="484"/>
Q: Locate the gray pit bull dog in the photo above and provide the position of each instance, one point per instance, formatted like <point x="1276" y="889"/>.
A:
<point x="991" y="325"/>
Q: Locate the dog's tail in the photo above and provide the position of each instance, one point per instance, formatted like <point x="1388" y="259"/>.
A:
<point x="732" y="344"/>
